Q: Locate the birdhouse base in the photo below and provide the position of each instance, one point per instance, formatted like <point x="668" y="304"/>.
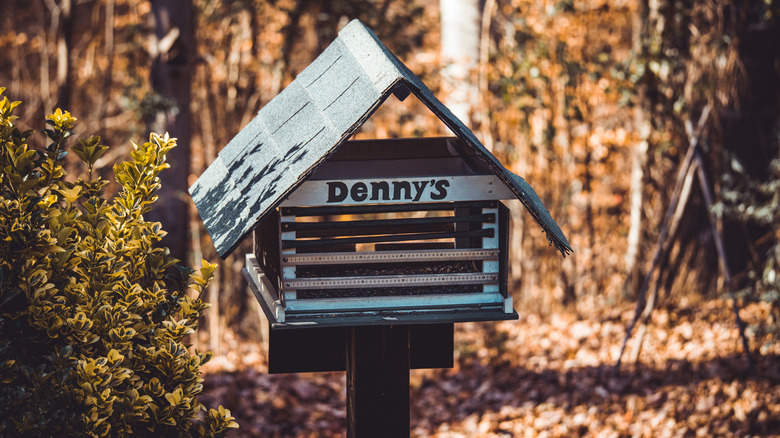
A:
<point x="281" y="318"/>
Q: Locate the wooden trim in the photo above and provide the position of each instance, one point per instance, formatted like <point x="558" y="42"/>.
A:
<point x="413" y="302"/>
<point x="400" y="317"/>
<point x="267" y="248"/>
<point x="503" y="249"/>
<point x="263" y="290"/>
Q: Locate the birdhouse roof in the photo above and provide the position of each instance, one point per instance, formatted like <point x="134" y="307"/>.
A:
<point x="302" y="126"/>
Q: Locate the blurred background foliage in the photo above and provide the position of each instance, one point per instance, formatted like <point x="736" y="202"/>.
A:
<point x="594" y="102"/>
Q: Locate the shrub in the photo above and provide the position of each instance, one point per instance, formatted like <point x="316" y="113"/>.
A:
<point x="93" y="311"/>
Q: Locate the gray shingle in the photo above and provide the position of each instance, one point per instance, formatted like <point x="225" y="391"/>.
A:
<point x="284" y="106"/>
<point x="322" y="63"/>
<point x="276" y="180"/>
<point x="319" y="145"/>
<point x="246" y="204"/>
<point x="222" y="221"/>
<point x="354" y="105"/>
<point x="301" y="127"/>
<point x="328" y="87"/>
<point x="243" y="139"/>
<point x="254" y="157"/>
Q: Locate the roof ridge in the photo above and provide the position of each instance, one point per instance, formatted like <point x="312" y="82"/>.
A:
<point x="376" y="60"/>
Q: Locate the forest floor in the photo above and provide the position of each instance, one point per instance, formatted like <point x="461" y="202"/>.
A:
<point x="543" y="376"/>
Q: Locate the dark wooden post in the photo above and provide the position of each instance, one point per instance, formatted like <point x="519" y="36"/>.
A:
<point x="378" y="381"/>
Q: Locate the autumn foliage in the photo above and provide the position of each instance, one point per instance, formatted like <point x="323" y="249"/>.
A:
<point x="594" y="102"/>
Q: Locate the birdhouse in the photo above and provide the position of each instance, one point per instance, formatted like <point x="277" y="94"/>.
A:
<point x="364" y="232"/>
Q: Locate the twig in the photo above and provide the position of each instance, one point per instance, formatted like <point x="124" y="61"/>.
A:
<point x="674" y="224"/>
<point x="660" y="245"/>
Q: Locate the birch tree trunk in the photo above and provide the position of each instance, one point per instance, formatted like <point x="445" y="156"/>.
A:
<point x="639" y="157"/>
<point x="460" y="55"/>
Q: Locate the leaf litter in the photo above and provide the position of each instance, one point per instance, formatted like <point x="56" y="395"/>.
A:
<point x="545" y="376"/>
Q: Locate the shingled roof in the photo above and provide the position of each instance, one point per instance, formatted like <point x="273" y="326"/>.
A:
<point x="298" y="130"/>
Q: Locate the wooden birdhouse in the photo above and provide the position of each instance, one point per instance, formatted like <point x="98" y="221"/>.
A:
<point x="371" y="232"/>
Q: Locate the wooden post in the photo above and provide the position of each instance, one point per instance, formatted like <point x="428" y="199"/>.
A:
<point x="378" y="381"/>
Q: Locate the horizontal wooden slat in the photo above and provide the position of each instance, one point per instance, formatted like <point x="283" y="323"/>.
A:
<point x="324" y="231"/>
<point x="289" y="244"/>
<point x="390" y="257"/>
<point x="328" y="248"/>
<point x="365" y="282"/>
<point x="383" y="208"/>
<point x="413" y="246"/>
<point x="299" y="226"/>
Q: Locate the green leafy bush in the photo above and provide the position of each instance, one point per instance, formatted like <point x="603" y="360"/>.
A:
<point x="93" y="311"/>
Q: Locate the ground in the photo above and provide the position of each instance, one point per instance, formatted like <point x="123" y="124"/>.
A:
<point x="541" y="376"/>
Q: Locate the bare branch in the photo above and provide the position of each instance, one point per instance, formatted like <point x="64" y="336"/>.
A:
<point x="660" y="248"/>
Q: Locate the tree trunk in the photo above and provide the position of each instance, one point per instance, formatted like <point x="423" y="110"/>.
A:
<point x="64" y="34"/>
<point x="108" y="51"/>
<point x="750" y="128"/>
<point x="639" y="157"/>
<point x="460" y="55"/>
<point x="45" y="88"/>
<point x="171" y="80"/>
<point x="482" y="117"/>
